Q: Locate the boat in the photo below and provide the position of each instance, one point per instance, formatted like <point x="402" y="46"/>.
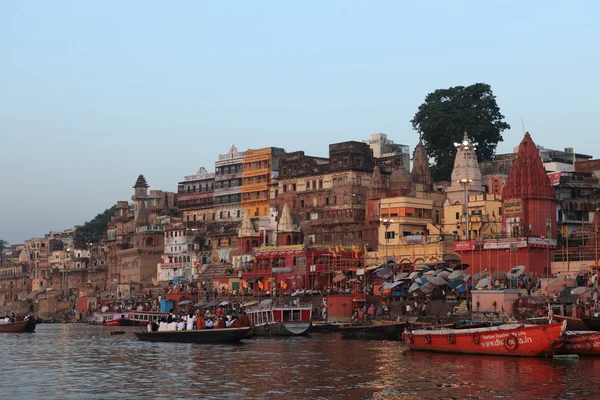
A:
<point x="16" y="327"/>
<point x="226" y="335"/>
<point x="573" y="324"/>
<point x="327" y="326"/>
<point x="592" y="323"/>
<point x="141" y="318"/>
<point x="503" y="340"/>
<point x="581" y="343"/>
<point x="376" y="331"/>
<point x="280" y="320"/>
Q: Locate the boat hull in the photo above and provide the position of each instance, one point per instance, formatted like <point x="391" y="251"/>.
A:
<point x="16" y="327"/>
<point x="388" y="331"/>
<point x="206" y="336"/>
<point x="112" y="322"/>
<point x="506" y="340"/>
<point x="581" y="343"/>
<point x="573" y="324"/>
<point x="286" y="328"/>
<point x="592" y="323"/>
<point x="130" y="322"/>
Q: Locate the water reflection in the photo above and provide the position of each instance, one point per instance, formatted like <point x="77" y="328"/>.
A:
<point x="85" y="362"/>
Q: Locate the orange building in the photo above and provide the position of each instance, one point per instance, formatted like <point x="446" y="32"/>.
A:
<point x="259" y="169"/>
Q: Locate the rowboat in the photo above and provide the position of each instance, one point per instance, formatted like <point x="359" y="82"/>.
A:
<point x="581" y="343"/>
<point x="573" y="324"/>
<point x="382" y="331"/>
<point x="16" y="327"/>
<point x="503" y="340"/>
<point x="226" y="335"/>
<point x="592" y="323"/>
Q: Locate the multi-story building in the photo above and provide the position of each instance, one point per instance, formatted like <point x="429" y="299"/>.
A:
<point x="196" y="196"/>
<point x="228" y="185"/>
<point x="259" y="168"/>
<point x="383" y="147"/>
<point x="326" y="197"/>
<point x="179" y="257"/>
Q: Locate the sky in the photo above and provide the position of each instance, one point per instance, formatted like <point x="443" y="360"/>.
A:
<point x="92" y="94"/>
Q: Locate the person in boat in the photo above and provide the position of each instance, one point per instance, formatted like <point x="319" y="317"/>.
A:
<point x="221" y="323"/>
<point x="200" y="322"/>
<point x="228" y="321"/>
<point x="180" y="325"/>
<point x="191" y="320"/>
<point x="235" y="323"/>
<point x="244" y="320"/>
<point x="210" y="324"/>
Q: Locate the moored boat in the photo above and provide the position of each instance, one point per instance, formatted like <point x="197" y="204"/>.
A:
<point x="208" y="336"/>
<point x="573" y="324"/>
<point x="141" y="318"/>
<point x="280" y="320"/>
<point x="581" y="343"/>
<point x="503" y="340"/>
<point x="376" y="331"/>
<point x="16" y="327"/>
<point x="592" y="323"/>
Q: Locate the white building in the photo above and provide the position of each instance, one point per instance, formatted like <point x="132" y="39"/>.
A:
<point x="228" y="185"/>
<point x="179" y="257"/>
<point x="559" y="160"/>
<point x="384" y="147"/>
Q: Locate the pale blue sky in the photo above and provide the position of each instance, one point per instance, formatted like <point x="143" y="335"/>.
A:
<point x="93" y="94"/>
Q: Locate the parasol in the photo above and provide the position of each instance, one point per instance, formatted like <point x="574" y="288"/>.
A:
<point x="436" y="280"/>
<point x="422" y="280"/>
<point x="413" y="287"/>
<point x="383" y="273"/>
<point x="443" y="274"/>
<point x="400" y="276"/>
<point x="430" y="272"/>
<point x="456" y="274"/>
<point x="479" y="275"/>
<point x="339" y="278"/>
<point x="498" y="274"/>
<point x="184" y="302"/>
<point x="579" y="290"/>
<point x="427" y="288"/>
<point x="413" y="275"/>
<point x="456" y="283"/>
<point x="482" y="283"/>
<point x="517" y="271"/>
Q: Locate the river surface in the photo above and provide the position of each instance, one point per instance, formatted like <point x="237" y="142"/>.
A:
<point x="77" y="361"/>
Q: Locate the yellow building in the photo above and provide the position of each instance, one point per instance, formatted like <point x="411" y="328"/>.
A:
<point x="259" y="168"/>
<point x="485" y="217"/>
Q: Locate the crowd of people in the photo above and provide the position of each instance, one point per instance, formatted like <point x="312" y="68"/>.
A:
<point x="197" y="321"/>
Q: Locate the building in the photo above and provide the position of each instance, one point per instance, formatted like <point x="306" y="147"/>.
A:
<point x="228" y="185"/>
<point x="195" y="196"/>
<point x="259" y="168"/>
<point x="179" y="257"/>
<point x="383" y="147"/>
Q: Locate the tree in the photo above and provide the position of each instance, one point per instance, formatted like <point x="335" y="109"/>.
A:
<point x="447" y="114"/>
<point x="94" y="230"/>
<point x="3" y="245"/>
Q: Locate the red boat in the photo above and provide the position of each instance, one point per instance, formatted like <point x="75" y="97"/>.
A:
<point x="15" y="327"/>
<point x="503" y="340"/>
<point x="581" y="343"/>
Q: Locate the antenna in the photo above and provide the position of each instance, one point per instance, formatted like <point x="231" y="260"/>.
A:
<point x="523" y="125"/>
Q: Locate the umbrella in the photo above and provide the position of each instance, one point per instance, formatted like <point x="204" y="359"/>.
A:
<point x="463" y="288"/>
<point x="200" y="304"/>
<point x="436" y="280"/>
<point x="498" y="274"/>
<point x="456" y="283"/>
<point x="482" y="283"/>
<point x="456" y="274"/>
<point x="517" y="271"/>
<point x="413" y="275"/>
<point x="422" y="267"/>
<point x="479" y="275"/>
<point x="430" y="272"/>
<point x="579" y="290"/>
<point x="250" y="303"/>
<point x="384" y="273"/>
<point x="184" y="302"/>
<point x="338" y="278"/>
<point x="413" y="287"/>
<point x="443" y="274"/>
<point x="466" y="277"/>
<point x="394" y="284"/>
<point x="224" y="303"/>
<point x="422" y="280"/>
<point x="428" y="288"/>
<point x="461" y="266"/>
<point x="266" y="302"/>
<point x="401" y="276"/>
<point x="556" y="287"/>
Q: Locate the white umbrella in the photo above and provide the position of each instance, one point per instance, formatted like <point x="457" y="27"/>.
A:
<point x="422" y="267"/>
<point x="401" y="275"/>
<point x="428" y="288"/>
<point x="430" y="272"/>
<point x="436" y="280"/>
<point x="413" y="275"/>
<point x="579" y="290"/>
<point x="394" y="284"/>
<point x="456" y="274"/>
<point x="482" y="283"/>
<point x="413" y="287"/>
<point x="184" y="302"/>
<point x="466" y="277"/>
<point x="266" y="302"/>
<point x="422" y="280"/>
<point x="224" y="303"/>
<point x="479" y="275"/>
<point x="443" y="274"/>
<point x="338" y="278"/>
<point x="518" y="270"/>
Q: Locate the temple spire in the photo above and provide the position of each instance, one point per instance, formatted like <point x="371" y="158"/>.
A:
<point x="420" y="171"/>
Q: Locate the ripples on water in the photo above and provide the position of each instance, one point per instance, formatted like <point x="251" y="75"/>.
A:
<point x="84" y="362"/>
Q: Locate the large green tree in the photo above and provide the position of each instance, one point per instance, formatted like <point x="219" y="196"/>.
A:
<point x="447" y="114"/>
<point x="94" y="230"/>
<point x="3" y="245"/>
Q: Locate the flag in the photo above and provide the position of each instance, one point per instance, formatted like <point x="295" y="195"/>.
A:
<point x="283" y="284"/>
<point x="493" y="214"/>
<point x="331" y="250"/>
<point x="260" y="285"/>
<point x="244" y="284"/>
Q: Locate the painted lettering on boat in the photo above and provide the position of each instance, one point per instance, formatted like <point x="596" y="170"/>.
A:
<point x="579" y="345"/>
<point x="497" y="339"/>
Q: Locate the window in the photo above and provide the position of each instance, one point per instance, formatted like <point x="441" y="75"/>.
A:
<point x="284" y="188"/>
<point x="457" y="215"/>
<point x="294" y="187"/>
<point x="228" y="214"/>
<point x="334" y="200"/>
<point x="307" y="185"/>
<point x="326" y="201"/>
<point x="301" y="203"/>
<point x="238" y="213"/>
<point x="390" y="235"/>
<point x="320" y="183"/>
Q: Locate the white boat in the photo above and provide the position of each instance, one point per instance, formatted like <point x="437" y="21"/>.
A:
<point x="280" y="320"/>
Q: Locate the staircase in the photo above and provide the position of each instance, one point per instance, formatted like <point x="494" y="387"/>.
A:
<point x="439" y="308"/>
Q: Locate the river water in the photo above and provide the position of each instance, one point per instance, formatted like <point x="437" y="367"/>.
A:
<point x="77" y="361"/>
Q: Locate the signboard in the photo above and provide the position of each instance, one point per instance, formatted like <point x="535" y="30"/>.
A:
<point x="544" y="242"/>
<point x="461" y="246"/>
<point x="314" y="216"/>
<point x="512" y="206"/>
<point x="414" y="239"/>
<point x="554" y="178"/>
<point x="171" y="265"/>
<point x="284" y="270"/>
<point x="505" y="243"/>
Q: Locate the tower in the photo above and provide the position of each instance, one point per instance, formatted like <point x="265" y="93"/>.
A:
<point x="466" y="170"/>
<point x="420" y="171"/>
<point x="139" y="200"/>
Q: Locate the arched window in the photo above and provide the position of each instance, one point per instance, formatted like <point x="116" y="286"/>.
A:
<point x="149" y="242"/>
<point x="288" y="240"/>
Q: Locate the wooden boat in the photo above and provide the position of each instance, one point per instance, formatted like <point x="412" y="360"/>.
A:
<point x="226" y="335"/>
<point x="573" y="324"/>
<point x="16" y="327"/>
<point x="592" y="323"/>
<point x="141" y="318"/>
<point x="503" y="340"/>
<point x="327" y="326"/>
<point x="380" y="331"/>
<point x="581" y="343"/>
<point x="280" y="320"/>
